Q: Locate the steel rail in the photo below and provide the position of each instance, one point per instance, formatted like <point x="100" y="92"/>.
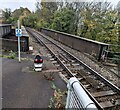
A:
<point x="69" y="72"/>
<point x="107" y="82"/>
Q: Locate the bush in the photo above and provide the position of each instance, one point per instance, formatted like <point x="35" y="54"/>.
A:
<point x="12" y="55"/>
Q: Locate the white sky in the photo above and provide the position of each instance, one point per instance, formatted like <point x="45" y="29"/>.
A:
<point x="15" y="4"/>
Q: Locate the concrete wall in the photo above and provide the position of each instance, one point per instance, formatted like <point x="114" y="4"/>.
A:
<point x="4" y="29"/>
<point x="12" y="44"/>
<point x="82" y="44"/>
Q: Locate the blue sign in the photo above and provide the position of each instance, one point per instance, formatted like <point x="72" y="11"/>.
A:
<point x="18" y="32"/>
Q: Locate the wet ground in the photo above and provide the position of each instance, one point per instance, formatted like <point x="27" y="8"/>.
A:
<point x="22" y="87"/>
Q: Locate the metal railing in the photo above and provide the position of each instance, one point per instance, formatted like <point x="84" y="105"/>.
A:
<point x="77" y="98"/>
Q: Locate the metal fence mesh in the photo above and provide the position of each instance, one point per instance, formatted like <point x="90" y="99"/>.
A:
<point x="74" y="102"/>
<point x="77" y="98"/>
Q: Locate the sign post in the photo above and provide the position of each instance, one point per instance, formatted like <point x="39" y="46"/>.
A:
<point x="18" y="33"/>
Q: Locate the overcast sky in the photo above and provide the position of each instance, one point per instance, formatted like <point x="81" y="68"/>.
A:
<point x="15" y="4"/>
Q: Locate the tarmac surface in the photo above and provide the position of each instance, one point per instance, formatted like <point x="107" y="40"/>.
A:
<point x="22" y="87"/>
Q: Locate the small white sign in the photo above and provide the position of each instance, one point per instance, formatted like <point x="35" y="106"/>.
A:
<point x="18" y="32"/>
<point x="31" y="48"/>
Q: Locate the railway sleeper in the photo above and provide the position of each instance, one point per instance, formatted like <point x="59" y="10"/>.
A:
<point x="76" y="68"/>
<point x="75" y="64"/>
<point x="110" y="104"/>
<point x="82" y="72"/>
<point x="93" y="83"/>
<point x="49" y="55"/>
<point x="47" y="42"/>
<point x="54" y="62"/>
<point x="105" y="104"/>
<point x="68" y="65"/>
<point x="57" y="65"/>
<point x="65" y="57"/>
<point x="79" y="79"/>
<point x="73" y="61"/>
<point x="61" y="56"/>
<point x="87" y="86"/>
<point x="90" y="80"/>
<point x="52" y="59"/>
<point x="103" y="93"/>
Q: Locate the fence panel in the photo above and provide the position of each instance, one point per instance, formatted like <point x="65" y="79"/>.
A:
<point x="77" y="98"/>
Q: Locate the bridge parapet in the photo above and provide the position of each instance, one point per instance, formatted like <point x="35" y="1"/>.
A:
<point x="84" y="45"/>
<point x="5" y="29"/>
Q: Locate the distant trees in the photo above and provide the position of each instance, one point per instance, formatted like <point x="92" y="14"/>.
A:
<point x="63" y="21"/>
<point x="93" y="20"/>
<point x="30" y="20"/>
<point x="12" y="17"/>
<point x="7" y="14"/>
<point x="21" y="14"/>
<point x="45" y="12"/>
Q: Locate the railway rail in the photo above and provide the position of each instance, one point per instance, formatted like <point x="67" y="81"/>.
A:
<point x="97" y="66"/>
<point x="104" y="94"/>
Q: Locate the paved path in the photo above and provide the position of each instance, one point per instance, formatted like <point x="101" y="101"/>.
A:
<point x="26" y="89"/>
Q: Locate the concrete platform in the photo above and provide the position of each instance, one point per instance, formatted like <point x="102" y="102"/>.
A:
<point x="24" y="88"/>
<point x="24" y="32"/>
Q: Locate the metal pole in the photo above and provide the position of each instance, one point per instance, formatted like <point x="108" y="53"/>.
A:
<point x="19" y="42"/>
<point x="68" y="96"/>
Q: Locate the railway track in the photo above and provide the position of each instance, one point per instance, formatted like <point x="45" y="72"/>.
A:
<point x="102" y="92"/>
<point x="89" y="60"/>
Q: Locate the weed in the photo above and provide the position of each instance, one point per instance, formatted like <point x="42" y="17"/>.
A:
<point x="11" y="55"/>
<point x="58" y="99"/>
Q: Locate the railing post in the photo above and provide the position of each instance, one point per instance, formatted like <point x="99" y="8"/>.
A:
<point x="68" y="96"/>
<point x="70" y="89"/>
<point x="82" y="99"/>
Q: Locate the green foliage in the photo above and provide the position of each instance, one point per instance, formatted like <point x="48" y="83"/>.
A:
<point x="58" y="99"/>
<point x="92" y="20"/>
<point x="45" y="12"/>
<point x="30" y="20"/>
<point x="12" y="17"/>
<point x="7" y="15"/>
<point x="20" y="12"/>
<point x="100" y="23"/>
<point x="11" y="55"/>
<point x="63" y="21"/>
<point x="42" y="23"/>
